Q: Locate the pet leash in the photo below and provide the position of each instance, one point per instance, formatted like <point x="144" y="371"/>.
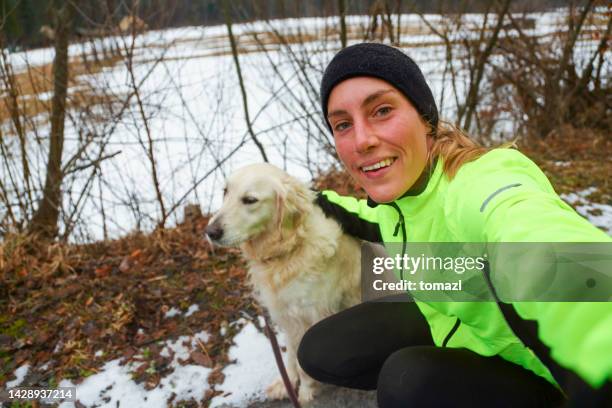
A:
<point x="276" y="349"/>
<point x="280" y="364"/>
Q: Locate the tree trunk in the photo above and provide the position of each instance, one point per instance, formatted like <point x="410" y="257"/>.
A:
<point x="44" y="221"/>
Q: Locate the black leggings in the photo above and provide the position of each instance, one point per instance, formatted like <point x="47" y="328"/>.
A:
<point x="388" y="347"/>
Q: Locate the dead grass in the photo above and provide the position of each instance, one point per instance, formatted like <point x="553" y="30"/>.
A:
<point x="60" y="303"/>
<point x="574" y="160"/>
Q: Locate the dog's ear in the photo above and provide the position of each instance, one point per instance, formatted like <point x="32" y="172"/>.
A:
<point x="293" y="199"/>
<point x="298" y="198"/>
<point x="280" y="206"/>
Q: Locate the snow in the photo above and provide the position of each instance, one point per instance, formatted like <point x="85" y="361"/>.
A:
<point x="560" y="163"/>
<point x="182" y="346"/>
<point x="58" y="347"/>
<point x="192" y="309"/>
<point x="113" y="384"/>
<point x="172" y="312"/>
<point x="176" y="312"/>
<point x="19" y="374"/>
<point x="109" y="386"/>
<point x="598" y="214"/>
<point x="195" y="83"/>
<point x="193" y="107"/>
<point x="253" y="370"/>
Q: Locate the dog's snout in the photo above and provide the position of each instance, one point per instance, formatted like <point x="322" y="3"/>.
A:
<point x="214" y="231"/>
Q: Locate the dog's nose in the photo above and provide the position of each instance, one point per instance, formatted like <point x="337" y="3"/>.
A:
<point x="214" y="231"/>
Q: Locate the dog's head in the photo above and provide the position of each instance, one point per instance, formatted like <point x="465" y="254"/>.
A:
<point x="259" y="201"/>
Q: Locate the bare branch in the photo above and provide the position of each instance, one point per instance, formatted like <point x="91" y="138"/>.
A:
<point x="228" y="23"/>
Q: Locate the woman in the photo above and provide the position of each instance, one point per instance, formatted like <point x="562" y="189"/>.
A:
<point x="428" y="182"/>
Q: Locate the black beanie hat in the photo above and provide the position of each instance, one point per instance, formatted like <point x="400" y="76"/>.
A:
<point x="386" y="63"/>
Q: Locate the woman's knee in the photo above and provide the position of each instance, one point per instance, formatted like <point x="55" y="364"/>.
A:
<point x="309" y="353"/>
<point x="331" y="359"/>
<point x="319" y="354"/>
<point x="407" y="378"/>
<point x="432" y="376"/>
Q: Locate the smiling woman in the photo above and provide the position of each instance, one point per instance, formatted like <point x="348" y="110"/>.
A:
<point x="379" y="136"/>
<point x="431" y="182"/>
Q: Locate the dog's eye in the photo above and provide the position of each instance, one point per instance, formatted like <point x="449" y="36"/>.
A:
<point x="249" y="200"/>
<point x="224" y="192"/>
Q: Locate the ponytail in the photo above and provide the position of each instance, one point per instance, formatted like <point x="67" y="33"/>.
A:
<point x="455" y="148"/>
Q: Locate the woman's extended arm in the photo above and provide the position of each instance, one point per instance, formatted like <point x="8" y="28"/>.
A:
<point x="506" y="198"/>
<point x="355" y="217"/>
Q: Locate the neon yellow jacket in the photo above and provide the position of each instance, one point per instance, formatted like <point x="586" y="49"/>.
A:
<point x="500" y="197"/>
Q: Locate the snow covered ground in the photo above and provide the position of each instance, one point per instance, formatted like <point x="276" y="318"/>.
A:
<point x="114" y="386"/>
<point x="193" y="106"/>
<point x="254" y="370"/>
<point x="598" y="214"/>
<point x="245" y="380"/>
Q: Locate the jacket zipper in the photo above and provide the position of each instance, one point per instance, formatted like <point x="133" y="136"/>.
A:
<point x="451" y="332"/>
<point x="401" y="224"/>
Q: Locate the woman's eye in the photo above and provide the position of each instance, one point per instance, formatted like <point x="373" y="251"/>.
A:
<point x="383" y="111"/>
<point x="341" y="126"/>
<point x="249" y="200"/>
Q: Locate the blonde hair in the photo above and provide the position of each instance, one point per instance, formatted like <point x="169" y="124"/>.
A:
<point x="455" y="147"/>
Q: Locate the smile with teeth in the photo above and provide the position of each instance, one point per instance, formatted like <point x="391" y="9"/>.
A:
<point x="380" y="164"/>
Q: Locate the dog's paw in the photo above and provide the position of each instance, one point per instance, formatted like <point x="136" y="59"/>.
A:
<point x="277" y="390"/>
<point x="306" y="395"/>
<point x="307" y="392"/>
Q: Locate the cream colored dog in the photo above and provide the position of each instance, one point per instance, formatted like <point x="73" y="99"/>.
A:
<point x="301" y="265"/>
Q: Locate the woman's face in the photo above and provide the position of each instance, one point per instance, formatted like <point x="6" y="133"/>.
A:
<point x="379" y="136"/>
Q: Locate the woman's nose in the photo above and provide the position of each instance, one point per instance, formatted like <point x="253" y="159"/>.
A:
<point x="365" y="137"/>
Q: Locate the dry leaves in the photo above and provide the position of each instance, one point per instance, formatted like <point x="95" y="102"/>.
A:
<point x="68" y="302"/>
